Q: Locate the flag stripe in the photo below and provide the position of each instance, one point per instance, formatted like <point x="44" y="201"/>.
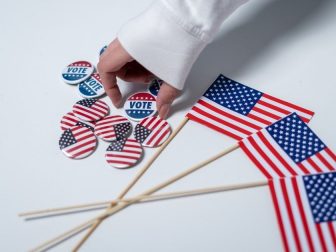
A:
<point x="213" y="126"/>
<point x="162" y="136"/>
<point x="290" y="214"/>
<point x="331" y="154"/>
<point x="320" y="234"/>
<point x="223" y="122"/>
<point x="80" y="108"/>
<point x="324" y="161"/>
<point x="265" y="157"/>
<point x="265" y="113"/>
<point x="159" y="126"/>
<point x="258" y="119"/>
<point x="331" y="227"/>
<point x="243" y="121"/>
<point x="83" y="115"/>
<point x="279" y="215"/>
<point x="246" y="148"/>
<point x="281" y="111"/>
<point x="301" y="210"/>
<point x="290" y="105"/>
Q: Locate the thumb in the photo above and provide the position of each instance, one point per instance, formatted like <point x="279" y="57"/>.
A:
<point x="165" y="98"/>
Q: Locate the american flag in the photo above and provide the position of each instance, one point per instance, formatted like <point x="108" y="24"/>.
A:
<point x="113" y="127"/>
<point x="77" y="142"/>
<point x="306" y="211"/>
<point x="90" y="109"/>
<point x="69" y="120"/>
<point x="238" y="111"/>
<point x="152" y="131"/>
<point x="123" y="153"/>
<point x="288" y="147"/>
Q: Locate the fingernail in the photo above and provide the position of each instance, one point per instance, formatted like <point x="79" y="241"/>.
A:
<point x="164" y="110"/>
<point x="118" y="103"/>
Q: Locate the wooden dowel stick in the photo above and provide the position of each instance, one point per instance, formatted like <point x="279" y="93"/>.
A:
<point x="158" y="197"/>
<point x="144" y="198"/>
<point x="112" y="210"/>
<point x="171" y="180"/>
<point x="134" y="181"/>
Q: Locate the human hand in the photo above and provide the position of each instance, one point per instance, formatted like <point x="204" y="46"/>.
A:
<point x="116" y="62"/>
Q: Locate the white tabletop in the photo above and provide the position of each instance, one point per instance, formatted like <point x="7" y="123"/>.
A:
<point x="284" y="48"/>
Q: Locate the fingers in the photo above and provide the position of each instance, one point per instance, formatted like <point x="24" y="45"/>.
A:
<point x="134" y="72"/>
<point x="165" y="98"/>
<point x="112" y="60"/>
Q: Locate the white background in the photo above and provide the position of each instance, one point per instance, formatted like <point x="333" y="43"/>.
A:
<point x="284" y="48"/>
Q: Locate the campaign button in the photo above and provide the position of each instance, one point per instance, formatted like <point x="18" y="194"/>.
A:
<point x="102" y="50"/>
<point x="91" y="87"/>
<point x="123" y="153"/>
<point x="77" y="72"/>
<point x="90" y="110"/>
<point x="155" y="86"/>
<point x="69" y="120"/>
<point x="140" y="105"/>
<point x="77" y="142"/>
<point x="113" y="127"/>
<point x="152" y="131"/>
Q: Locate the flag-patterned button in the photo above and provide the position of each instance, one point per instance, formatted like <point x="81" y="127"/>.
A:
<point x="77" y="72"/>
<point x="152" y="131"/>
<point x="140" y="105"/>
<point x="69" y="120"/>
<point x="155" y="86"/>
<point x="90" y="109"/>
<point x="77" y="142"/>
<point x="113" y="127"/>
<point x="123" y="153"/>
<point x="91" y="87"/>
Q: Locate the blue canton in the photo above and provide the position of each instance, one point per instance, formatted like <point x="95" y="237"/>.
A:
<point x="321" y="193"/>
<point x="233" y="95"/>
<point x="295" y="138"/>
<point x="87" y="102"/>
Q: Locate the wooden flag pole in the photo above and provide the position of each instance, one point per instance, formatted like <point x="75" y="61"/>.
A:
<point x="142" y="198"/>
<point x="135" y="180"/>
<point x="110" y="211"/>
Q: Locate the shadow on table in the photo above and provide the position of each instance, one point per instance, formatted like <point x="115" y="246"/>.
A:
<point x="237" y="49"/>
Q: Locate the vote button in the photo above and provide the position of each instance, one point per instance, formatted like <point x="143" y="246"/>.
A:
<point x="77" y="72"/>
<point x="91" y="87"/>
<point x="140" y="105"/>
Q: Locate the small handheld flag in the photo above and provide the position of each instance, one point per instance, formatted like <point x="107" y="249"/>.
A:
<point x="306" y="211"/>
<point x="288" y="147"/>
<point x="238" y="111"/>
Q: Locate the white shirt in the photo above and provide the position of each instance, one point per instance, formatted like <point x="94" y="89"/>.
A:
<point x="168" y="37"/>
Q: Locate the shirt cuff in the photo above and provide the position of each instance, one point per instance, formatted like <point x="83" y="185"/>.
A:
<point x="159" y="43"/>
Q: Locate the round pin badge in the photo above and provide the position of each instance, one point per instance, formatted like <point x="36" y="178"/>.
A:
<point x="90" y="109"/>
<point x="140" y="105"/>
<point x="69" y="120"/>
<point x="102" y="50"/>
<point x="77" y="72"/>
<point x="152" y="131"/>
<point x="155" y="86"/>
<point x="77" y="142"/>
<point x="91" y="87"/>
<point x="114" y="127"/>
<point x="123" y="153"/>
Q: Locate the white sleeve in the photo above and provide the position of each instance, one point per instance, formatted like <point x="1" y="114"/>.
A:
<point x="168" y="37"/>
